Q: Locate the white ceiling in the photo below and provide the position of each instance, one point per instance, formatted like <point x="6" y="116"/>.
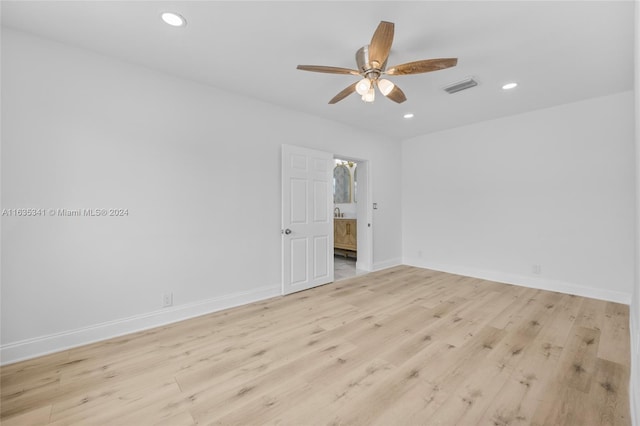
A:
<point x="558" y="52"/>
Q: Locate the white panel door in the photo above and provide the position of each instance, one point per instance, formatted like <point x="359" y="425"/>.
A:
<point x="307" y="218"/>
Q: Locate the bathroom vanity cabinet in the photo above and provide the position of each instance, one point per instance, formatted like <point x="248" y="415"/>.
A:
<point x="345" y="234"/>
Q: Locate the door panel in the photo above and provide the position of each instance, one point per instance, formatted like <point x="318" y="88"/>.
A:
<point x="298" y="195"/>
<point x="307" y="221"/>
<point x="299" y="253"/>
<point x="320" y="202"/>
<point x="321" y="262"/>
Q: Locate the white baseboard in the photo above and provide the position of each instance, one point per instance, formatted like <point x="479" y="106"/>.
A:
<point x="378" y="266"/>
<point x="526" y="281"/>
<point x="31" y="348"/>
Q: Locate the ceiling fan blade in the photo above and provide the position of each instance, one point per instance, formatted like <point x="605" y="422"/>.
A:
<point x="346" y="92"/>
<point x="426" y="65"/>
<point x="380" y="45"/>
<point x="397" y="95"/>
<point x="329" y="70"/>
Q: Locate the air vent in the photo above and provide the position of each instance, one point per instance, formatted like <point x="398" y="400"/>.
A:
<point x="461" y="85"/>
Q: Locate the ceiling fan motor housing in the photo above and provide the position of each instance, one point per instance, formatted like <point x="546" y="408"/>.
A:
<point x="364" y="66"/>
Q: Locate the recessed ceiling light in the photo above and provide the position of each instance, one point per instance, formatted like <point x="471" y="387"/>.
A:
<point x="408" y="115"/>
<point x="509" y="86"/>
<point x="173" y="19"/>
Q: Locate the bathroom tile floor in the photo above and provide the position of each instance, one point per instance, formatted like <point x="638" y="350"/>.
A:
<point x="344" y="267"/>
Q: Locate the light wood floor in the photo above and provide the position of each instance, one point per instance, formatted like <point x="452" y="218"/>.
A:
<point x="403" y="346"/>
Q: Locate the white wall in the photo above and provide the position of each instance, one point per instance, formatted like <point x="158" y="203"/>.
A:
<point x="635" y="302"/>
<point x="80" y="130"/>
<point x="553" y="187"/>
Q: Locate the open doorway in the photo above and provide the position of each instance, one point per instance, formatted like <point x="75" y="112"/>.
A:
<point x="352" y="230"/>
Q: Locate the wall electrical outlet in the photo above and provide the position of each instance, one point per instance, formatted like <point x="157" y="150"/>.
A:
<point x="167" y="299"/>
<point x="536" y="269"/>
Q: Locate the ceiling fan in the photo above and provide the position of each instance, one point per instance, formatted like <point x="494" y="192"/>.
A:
<point x="372" y="64"/>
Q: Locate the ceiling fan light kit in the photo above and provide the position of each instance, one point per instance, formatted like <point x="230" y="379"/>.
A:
<point x="372" y="64"/>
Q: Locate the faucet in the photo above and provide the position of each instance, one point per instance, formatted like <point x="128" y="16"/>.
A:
<point x="336" y="214"/>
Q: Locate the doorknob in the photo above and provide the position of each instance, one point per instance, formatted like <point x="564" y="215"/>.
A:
<point x="287" y="231"/>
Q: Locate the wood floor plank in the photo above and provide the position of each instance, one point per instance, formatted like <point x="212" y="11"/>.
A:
<point x="518" y="397"/>
<point x="568" y="407"/>
<point x="414" y="388"/>
<point x="183" y="418"/>
<point x="94" y="398"/>
<point x="608" y="397"/>
<point x="577" y="365"/>
<point x="122" y="407"/>
<point x="402" y="346"/>
<point x="38" y="416"/>
<point x="591" y="314"/>
<point x="498" y="374"/>
<point x="615" y="334"/>
<point x="338" y="390"/>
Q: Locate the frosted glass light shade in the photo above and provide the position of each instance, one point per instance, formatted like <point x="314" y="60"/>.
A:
<point x="369" y="96"/>
<point x="385" y="86"/>
<point x="363" y="86"/>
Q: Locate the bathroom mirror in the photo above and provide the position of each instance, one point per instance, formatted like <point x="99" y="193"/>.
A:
<point x="341" y="184"/>
<point x="355" y="186"/>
